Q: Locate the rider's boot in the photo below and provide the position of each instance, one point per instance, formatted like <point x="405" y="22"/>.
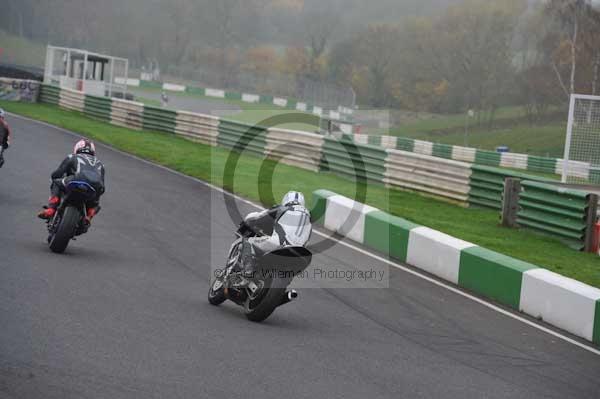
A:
<point x="48" y="212"/>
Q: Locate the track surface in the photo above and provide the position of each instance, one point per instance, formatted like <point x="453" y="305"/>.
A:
<point x="124" y="313"/>
<point x="200" y="105"/>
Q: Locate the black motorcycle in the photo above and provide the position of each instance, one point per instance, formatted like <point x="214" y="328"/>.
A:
<point x="267" y="288"/>
<point x="69" y="219"/>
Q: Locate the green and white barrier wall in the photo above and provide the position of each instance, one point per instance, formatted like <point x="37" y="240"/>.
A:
<point x="581" y="170"/>
<point x="560" y="301"/>
<point x="455" y="181"/>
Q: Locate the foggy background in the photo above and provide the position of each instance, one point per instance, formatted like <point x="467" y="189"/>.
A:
<point x="443" y="56"/>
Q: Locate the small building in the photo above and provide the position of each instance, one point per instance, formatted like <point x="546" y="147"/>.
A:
<point x="91" y="73"/>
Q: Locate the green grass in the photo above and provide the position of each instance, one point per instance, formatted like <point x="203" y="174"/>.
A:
<point x="545" y="139"/>
<point x="479" y="226"/>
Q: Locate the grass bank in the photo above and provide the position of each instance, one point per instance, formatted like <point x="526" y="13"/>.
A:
<point x="208" y="163"/>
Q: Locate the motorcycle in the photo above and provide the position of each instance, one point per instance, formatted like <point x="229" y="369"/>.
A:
<point x="69" y="219"/>
<point x="267" y="288"/>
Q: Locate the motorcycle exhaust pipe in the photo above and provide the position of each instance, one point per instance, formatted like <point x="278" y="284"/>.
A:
<point x="288" y="297"/>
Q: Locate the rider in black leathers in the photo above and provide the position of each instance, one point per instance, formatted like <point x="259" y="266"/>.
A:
<point x="81" y="165"/>
<point x="4" y="136"/>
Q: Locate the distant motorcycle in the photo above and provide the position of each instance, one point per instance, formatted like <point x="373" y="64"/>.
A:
<point x="69" y="219"/>
<point x="267" y="289"/>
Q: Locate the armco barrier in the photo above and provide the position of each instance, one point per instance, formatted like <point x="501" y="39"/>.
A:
<point x="197" y="127"/>
<point x="98" y="107"/>
<point x="159" y="119"/>
<point x="354" y="161"/>
<point x="556" y="211"/>
<point x="487" y="185"/>
<point x="560" y="301"/>
<point x="127" y="114"/>
<point x="295" y="148"/>
<point x="71" y="99"/>
<point x="242" y="137"/>
<point x="472" y="155"/>
<point x="49" y="94"/>
<point x="444" y="178"/>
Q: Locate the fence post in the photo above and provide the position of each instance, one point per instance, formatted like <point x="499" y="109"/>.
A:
<point x="510" y="202"/>
<point x="590" y="222"/>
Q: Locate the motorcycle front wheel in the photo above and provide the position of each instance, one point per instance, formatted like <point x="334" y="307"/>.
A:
<point x="216" y="292"/>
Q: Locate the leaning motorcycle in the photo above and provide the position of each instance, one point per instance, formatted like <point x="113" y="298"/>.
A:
<point x="267" y="289"/>
<point x="69" y="219"/>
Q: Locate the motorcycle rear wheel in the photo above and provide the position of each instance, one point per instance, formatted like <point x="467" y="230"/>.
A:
<point x="65" y="230"/>
<point x="260" y="308"/>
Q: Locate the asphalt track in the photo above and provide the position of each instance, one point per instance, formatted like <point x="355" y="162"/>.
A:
<point x="211" y="106"/>
<point x="123" y="314"/>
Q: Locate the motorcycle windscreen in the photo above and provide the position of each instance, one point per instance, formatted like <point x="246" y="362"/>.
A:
<point x="296" y="226"/>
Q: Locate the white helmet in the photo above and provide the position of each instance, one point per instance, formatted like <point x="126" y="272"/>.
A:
<point x="2" y="113"/>
<point x="293" y="198"/>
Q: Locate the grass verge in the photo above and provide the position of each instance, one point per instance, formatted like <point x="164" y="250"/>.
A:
<point x="479" y="226"/>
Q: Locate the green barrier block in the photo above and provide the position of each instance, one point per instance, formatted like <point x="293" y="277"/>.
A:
<point x="232" y="95"/>
<point x="490" y="158"/>
<point x="195" y="90"/>
<point x="442" y="151"/>
<point x="596" y="334"/>
<point x="150" y="84"/>
<point x="405" y="144"/>
<point x="388" y="234"/>
<point x="266" y="99"/>
<point x="594" y="176"/>
<point x="319" y="205"/>
<point x="374" y="140"/>
<point x="493" y="275"/>
<point x="541" y="164"/>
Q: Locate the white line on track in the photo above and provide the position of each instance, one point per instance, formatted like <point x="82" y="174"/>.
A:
<point x="346" y="244"/>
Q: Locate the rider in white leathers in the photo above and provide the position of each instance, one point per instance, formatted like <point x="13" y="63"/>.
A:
<point x="283" y="225"/>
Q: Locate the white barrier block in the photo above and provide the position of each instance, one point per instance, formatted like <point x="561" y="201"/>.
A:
<point x="215" y="93"/>
<point x="173" y="87"/>
<point x="318" y="111"/>
<point x="388" y="141"/>
<point x="280" y="102"/>
<point x="435" y="252"/>
<point x="516" y="161"/>
<point x="346" y="217"/>
<point x="560" y="301"/>
<point x="423" y="147"/>
<point x="334" y="115"/>
<point x="576" y="169"/>
<point x="301" y="106"/>
<point x="346" y="128"/>
<point x="250" y="98"/>
<point x="361" y="138"/>
<point x="465" y="154"/>
<point x="130" y="81"/>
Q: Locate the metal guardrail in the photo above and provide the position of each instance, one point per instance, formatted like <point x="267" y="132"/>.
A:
<point x="354" y="161"/>
<point x="567" y="214"/>
<point x="487" y="185"/>
<point x="443" y="178"/>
